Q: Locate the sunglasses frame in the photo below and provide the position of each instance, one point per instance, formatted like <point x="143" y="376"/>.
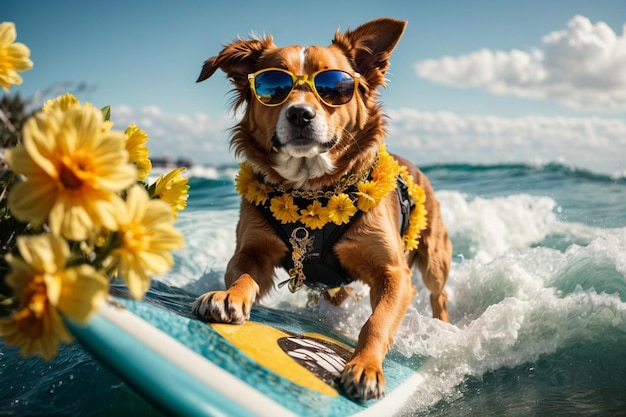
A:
<point x="298" y="80"/>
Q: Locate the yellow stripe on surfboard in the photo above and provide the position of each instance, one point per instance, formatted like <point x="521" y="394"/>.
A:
<point x="259" y="342"/>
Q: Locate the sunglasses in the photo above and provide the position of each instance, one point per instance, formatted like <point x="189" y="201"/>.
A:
<point x="273" y="86"/>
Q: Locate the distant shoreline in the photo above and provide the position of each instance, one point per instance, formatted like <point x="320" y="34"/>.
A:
<point x="167" y="162"/>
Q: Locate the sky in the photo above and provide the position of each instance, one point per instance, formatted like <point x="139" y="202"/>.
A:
<point x="487" y="82"/>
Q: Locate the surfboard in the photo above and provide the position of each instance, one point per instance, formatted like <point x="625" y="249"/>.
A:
<point x="276" y="364"/>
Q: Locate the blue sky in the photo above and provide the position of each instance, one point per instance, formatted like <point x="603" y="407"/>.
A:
<point x="480" y="82"/>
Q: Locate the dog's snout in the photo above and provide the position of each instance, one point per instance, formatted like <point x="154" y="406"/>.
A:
<point x="300" y="115"/>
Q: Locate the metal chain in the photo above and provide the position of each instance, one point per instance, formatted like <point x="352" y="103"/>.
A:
<point x="300" y="245"/>
<point x="340" y="187"/>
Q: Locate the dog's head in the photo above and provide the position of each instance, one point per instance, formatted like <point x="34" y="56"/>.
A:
<point x="311" y="113"/>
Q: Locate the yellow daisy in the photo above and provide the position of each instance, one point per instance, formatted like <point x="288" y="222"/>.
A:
<point x="146" y="236"/>
<point x="411" y="237"/>
<point x="36" y="328"/>
<point x="48" y="288"/>
<point x="244" y="178"/>
<point x="257" y="192"/>
<point x="284" y="209"/>
<point x="64" y="103"/>
<point x="386" y="171"/>
<point x="314" y="216"/>
<point x="14" y="57"/>
<point x="138" y="151"/>
<point x="73" y="170"/>
<point x="340" y="209"/>
<point x="368" y="195"/>
<point x="417" y="218"/>
<point x="173" y="189"/>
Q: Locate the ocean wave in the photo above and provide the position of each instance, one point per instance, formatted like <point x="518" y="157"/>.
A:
<point x="485" y="228"/>
<point x="556" y="168"/>
<point x="523" y="311"/>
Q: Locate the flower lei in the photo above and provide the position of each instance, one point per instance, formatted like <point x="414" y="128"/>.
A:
<point x="361" y="191"/>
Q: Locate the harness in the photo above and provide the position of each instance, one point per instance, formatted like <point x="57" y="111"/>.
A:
<point x="320" y="263"/>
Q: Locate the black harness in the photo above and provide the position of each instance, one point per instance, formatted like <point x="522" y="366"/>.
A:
<point x="320" y="264"/>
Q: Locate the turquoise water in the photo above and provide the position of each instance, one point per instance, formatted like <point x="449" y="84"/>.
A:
<point x="537" y="301"/>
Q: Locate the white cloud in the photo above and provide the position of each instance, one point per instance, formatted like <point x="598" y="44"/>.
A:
<point x="582" y="67"/>
<point x="198" y="136"/>
<point x="593" y="143"/>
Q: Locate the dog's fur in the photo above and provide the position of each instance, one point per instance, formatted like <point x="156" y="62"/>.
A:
<point x="312" y="152"/>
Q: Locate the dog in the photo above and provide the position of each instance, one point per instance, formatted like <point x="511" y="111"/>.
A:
<point x="310" y="137"/>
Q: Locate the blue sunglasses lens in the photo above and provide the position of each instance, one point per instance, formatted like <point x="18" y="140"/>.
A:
<point x="334" y="87"/>
<point x="273" y="87"/>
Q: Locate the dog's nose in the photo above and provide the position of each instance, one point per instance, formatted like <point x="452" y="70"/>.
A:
<point x="300" y="114"/>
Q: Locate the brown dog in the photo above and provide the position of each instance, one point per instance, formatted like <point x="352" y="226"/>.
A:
<point x="311" y="137"/>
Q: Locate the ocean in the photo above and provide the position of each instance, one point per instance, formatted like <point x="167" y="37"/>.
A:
<point x="537" y="300"/>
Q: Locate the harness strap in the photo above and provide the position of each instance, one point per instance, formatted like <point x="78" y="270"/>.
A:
<point x="406" y="205"/>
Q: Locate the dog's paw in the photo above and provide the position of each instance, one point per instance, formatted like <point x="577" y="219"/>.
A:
<point x="221" y="307"/>
<point x="363" y="381"/>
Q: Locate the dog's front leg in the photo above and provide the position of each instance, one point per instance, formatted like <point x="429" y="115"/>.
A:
<point x="249" y="275"/>
<point x="362" y="378"/>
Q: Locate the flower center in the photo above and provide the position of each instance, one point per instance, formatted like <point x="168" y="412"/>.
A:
<point x="30" y="318"/>
<point x="69" y="179"/>
<point x="134" y="238"/>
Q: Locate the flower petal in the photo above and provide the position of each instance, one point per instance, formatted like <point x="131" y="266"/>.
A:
<point x="84" y="289"/>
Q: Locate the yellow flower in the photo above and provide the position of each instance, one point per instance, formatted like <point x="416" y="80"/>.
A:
<point x="48" y="288"/>
<point x="284" y="209"/>
<point x="64" y="103"/>
<point x="73" y="170"/>
<point x="314" y="216"/>
<point x="172" y="188"/>
<point x="340" y="209"/>
<point x="138" y="151"/>
<point x="417" y="218"/>
<point x="257" y="192"/>
<point x="386" y="171"/>
<point x="244" y="178"/>
<point x="36" y="329"/>
<point x="14" y="56"/>
<point x="369" y="195"/>
<point x="146" y="236"/>
<point x="411" y="237"/>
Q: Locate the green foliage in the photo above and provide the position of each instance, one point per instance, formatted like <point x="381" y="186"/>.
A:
<point x="12" y="119"/>
<point x="106" y="113"/>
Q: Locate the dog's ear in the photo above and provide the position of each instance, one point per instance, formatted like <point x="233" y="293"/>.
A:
<point x="370" y="46"/>
<point x="238" y="59"/>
